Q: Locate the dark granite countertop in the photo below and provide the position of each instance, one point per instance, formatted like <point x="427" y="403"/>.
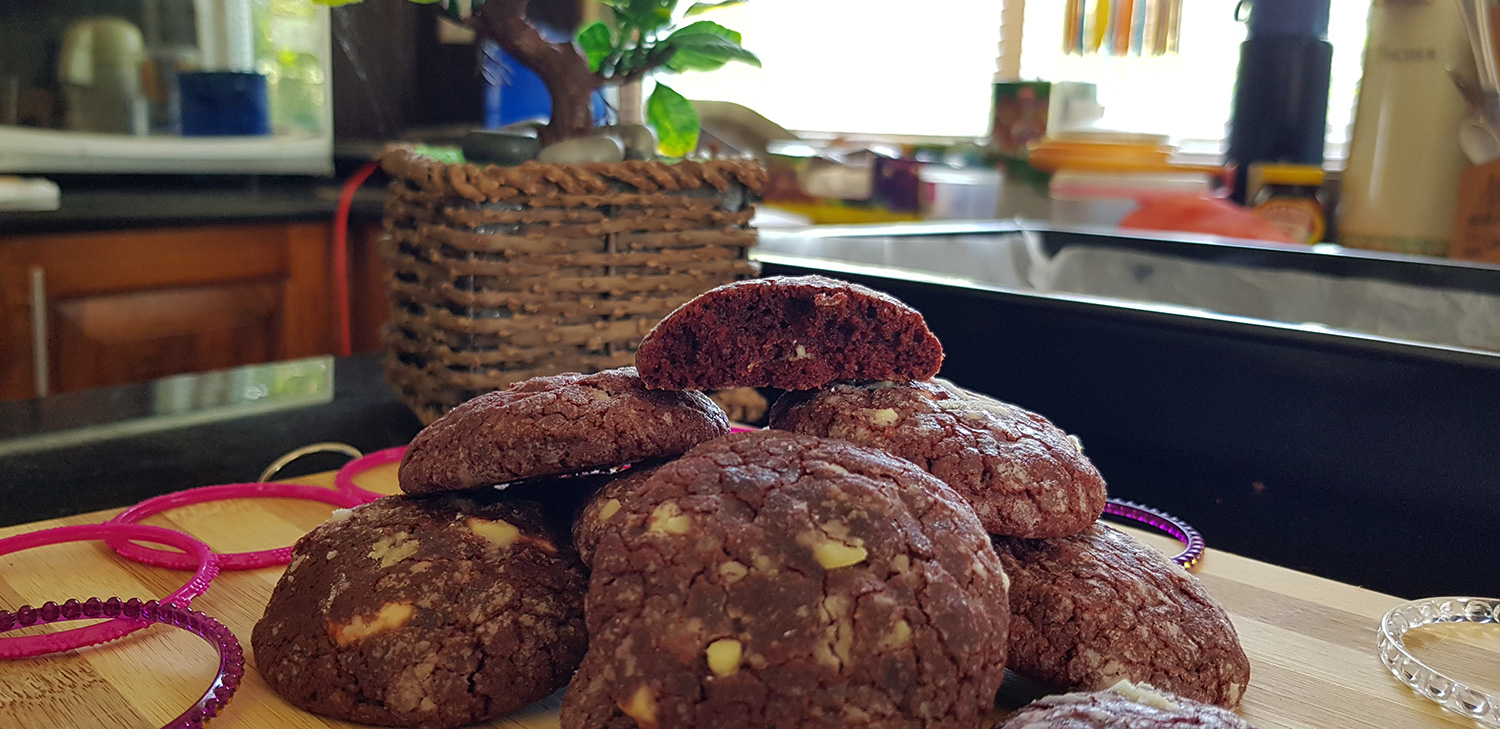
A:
<point x="122" y="202"/>
<point x="114" y="447"/>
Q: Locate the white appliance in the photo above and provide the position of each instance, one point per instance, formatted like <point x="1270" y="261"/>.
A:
<point x="222" y="36"/>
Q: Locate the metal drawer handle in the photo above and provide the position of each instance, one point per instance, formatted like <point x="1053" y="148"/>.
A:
<point x="39" y="356"/>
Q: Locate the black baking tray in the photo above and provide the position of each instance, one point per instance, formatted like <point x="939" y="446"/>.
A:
<point x="1366" y="460"/>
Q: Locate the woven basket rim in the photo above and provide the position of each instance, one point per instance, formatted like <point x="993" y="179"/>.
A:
<point x="494" y="183"/>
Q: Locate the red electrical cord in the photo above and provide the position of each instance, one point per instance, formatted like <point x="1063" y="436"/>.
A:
<point x="341" y="252"/>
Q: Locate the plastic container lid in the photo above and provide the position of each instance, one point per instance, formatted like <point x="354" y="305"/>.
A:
<point x="1282" y="174"/>
<point x="1102" y="151"/>
<point x="1072" y="185"/>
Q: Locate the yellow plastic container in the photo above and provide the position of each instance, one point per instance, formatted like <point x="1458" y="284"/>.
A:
<point x="1108" y="152"/>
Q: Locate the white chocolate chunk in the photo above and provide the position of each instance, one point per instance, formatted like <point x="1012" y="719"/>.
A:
<point x="610" y="508"/>
<point x="641" y="707"/>
<point x="834" y="555"/>
<point x="498" y="532"/>
<point x="390" y="616"/>
<point x="898" y="636"/>
<point x="667" y="518"/>
<point x="392" y="549"/>
<point x="1144" y="694"/>
<point x="724" y="656"/>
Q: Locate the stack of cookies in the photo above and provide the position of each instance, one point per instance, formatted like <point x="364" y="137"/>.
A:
<point x="876" y="558"/>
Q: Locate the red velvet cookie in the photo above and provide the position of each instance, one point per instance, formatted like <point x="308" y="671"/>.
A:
<point x="1124" y="706"/>
<point x="1090" y="610"/>
<point x="555" y="425"/>
<point x="599" y="510"/>
<point x="430" y="611"/>
<point x="789" y="333"/>
<point x="1024" y="476"/>
<point x="768" y="579"/>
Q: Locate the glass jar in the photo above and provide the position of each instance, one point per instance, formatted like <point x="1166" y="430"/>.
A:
<point x="1290" y="197"/>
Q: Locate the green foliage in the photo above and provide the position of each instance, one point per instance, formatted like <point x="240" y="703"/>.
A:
<point x="597" y="42"/>
<point x="645" y="39"/>
<point x="698" y="8"/>
<point x="450" y="155"/>
<point x="675" y="121"/>
<point x="705" y="46"/>
<point x="645" y="16"/>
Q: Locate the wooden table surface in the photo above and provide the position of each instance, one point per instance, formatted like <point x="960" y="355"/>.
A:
<point x="1311" y="641"/>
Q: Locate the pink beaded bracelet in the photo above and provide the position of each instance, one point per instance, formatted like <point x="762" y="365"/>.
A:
<point x="235" y="560"/>
<point x="195" y="555"/>
<point x="344" y="479"/>
<point x="140" y="614"/>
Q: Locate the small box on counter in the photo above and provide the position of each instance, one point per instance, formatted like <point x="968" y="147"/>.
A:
<point x="1476" y="231"/>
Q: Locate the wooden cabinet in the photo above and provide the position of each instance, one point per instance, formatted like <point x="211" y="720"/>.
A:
<point x="105" y="308"/>
<point x="369" y="302"/>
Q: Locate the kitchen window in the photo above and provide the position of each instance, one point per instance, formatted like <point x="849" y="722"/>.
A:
<point x="861" y="66"/>
<point x="898" y="68"/>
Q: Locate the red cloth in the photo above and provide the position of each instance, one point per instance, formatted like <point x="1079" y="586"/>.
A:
<point x="1195" y="214"/>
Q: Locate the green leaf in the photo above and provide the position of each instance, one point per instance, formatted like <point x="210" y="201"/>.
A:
<point x="597" y="43"/>
<point x="705" y="7"/>
<point x="687" y="59"/>
<point x="706" y="46"/>
<point x="706" y="27"/>
<point x="336" y="3"/>
<point x="646" y="16"/>
<point x="450" y="155"/>
<point x="675" y="120"/>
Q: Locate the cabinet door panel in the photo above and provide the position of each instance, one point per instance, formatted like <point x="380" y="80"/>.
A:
<point x="126" y="306"/>
<point x="116" y="339"/>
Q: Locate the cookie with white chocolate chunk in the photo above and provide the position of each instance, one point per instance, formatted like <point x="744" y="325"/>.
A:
<point x="432" y="611"/>
<point x="1098" y="607"/>
<point x="599" y="510"/>
<point x="1122" y="706"/>
<point x="555" y="425"/>
<point x="1023" y="475"/>
<point x="769" y="579"/>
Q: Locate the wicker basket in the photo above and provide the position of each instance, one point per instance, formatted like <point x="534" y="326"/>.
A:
<point x="499" y="274"/>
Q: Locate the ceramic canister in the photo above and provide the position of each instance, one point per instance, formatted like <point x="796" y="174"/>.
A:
<point x="1400" y="189"/>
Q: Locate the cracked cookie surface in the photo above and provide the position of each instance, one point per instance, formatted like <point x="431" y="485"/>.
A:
<point x="555" y="425"/>
<point x="792" y="333"/>
<point x="597" y="515"/>
<point x="770" y="579"/>
<point x="1126" y="707"/>
<point x="427" y="611"/>
<point x="1092" y="609"/>
<point x="1023" y="475"/>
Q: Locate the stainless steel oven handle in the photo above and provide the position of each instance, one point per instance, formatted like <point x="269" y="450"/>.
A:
<point x="39" y="354"/>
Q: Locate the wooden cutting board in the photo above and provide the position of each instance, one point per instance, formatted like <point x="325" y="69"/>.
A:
<point x="1311" y="641"/>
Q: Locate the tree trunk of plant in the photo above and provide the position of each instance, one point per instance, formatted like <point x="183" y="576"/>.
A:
<point x="560" y="66"/>
<point x="632" y="107"/>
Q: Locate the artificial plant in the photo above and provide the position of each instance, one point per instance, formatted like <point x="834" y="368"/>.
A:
<point x="647" y="36"/>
